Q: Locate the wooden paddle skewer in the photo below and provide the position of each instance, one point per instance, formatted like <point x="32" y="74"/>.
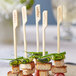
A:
<point x="15" y="25"/>
<point x="38" y="17"/>
<point x="45" y="21"/>
<point x="24" y="17"/>
<point x="59" y="20"/>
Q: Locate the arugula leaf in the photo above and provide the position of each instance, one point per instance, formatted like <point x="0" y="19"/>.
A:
<point x="37" y="53"/>
<point x="44" y="60"/>
<point x="15" y="62"/>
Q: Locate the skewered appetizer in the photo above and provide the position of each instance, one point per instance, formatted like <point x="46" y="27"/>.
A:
<point x="15" y="63"/>
<point x="43" y="67"/>
<point x="27" y="66"/>
<point x="59" y="67"/>
<point x="44" y="64"/>
<point x="42" y="59"/>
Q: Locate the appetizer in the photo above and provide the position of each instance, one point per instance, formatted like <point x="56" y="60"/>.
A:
<point x="15" y="63"/>
<point x="43" y="66"/>
<point x="41" y="59"/>
<point x="59" y="67"/>
<point x="28" y="66"/>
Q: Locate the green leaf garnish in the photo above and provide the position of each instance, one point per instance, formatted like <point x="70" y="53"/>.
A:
<point x="15" y="62"/>
<point x="38" y="56"/>
<point x="44" y="60"/>
<point x="37" y="53"/>
<point x="56" y="56"/>
<point x="53" y="56"/>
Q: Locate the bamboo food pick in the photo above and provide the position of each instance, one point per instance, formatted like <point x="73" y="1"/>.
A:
<point x="59" y="20"/>
<point x="24" y="17"/>
<point x="15" y="25"/>
<point x="45" y="21"/>
<point x="38" y="17"/>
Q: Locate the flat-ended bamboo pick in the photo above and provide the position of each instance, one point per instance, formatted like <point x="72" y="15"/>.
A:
<point x="15" y="24"/>
<point x="38" y="17"/>
<point x="45" y="23"/>
<point x="59" y="20"/>
<point x="24" y="17"/>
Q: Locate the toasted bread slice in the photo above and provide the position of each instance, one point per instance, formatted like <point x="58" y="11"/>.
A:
<point x="62" y="69"/>
<point x="14" y="74"/>
<point x="43" y="73"/>
<point x="15" y="69"/>
<point x="28" y="72"/>
<point x="28" y="75"/>
<point x="28" y="66"/>
<point x="59" y="63"/>
<point x="44" y="66"/>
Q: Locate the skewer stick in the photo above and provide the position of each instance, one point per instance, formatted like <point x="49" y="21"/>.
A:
<point x="59" y="20"/>
<point x="45" y="21"/>
<point x="38" y="17"/>
<point x="24" y="16"/>
<point x="15" y="24"/>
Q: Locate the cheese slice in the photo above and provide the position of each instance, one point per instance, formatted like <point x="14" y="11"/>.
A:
<point x="28" y="66"/>
<point x="44" y="66"/>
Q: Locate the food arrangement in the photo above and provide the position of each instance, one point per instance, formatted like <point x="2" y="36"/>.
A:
<point x="37" y="63"/>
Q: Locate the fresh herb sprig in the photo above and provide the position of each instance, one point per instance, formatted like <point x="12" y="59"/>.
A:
<point x="53" y="56"/>
<point x="44" y="60"/>
<point x="19" y="60"/>
<point x="15" y="62"/>
<point x="36" y="55"/>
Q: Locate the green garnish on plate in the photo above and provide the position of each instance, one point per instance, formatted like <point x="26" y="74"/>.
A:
<point x="36" y="55"/>
<point x="53" y="56"/>
<point x="44" y="60"/>
<point x="26" y="60"/>
<point x="20" y="60"/>
<point x="15" y="62"/>
<point x="57" y="56"/>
